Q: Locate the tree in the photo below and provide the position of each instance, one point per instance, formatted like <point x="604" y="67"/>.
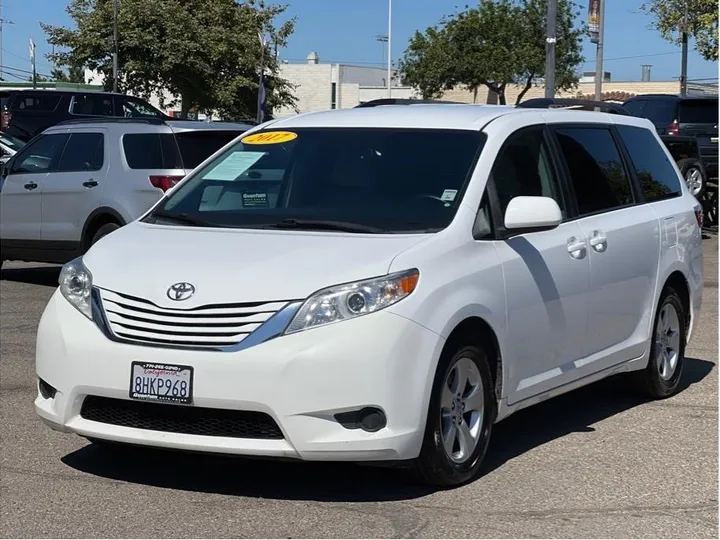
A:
<point x="205" y="51"/>
<point x="498" y="43"/>
<point x="702" y="22"/>
<point x="72" y="75"/>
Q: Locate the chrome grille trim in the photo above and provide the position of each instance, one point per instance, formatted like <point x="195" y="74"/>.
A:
<point x="220" y="327"/>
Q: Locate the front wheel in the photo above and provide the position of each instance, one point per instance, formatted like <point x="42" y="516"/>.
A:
<point x="661" y="378"/>
<point x="104" y="231"/>
<point x="460" y="418"/>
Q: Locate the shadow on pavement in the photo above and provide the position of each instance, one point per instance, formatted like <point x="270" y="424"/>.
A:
<point x="520" y="433"/>
<point x="39" y="275"/>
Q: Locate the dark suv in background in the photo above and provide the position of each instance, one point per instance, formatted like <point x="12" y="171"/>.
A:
<point x="683" y="116"/>
<point x="27" y="113"/>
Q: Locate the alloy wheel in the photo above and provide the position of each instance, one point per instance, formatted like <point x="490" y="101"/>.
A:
<point x="694" y="180"/>
<point x="667" y="341"/>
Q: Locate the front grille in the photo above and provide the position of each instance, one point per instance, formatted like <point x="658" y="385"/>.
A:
<point x="218" y="325"/>
<point x="180" y="419"/>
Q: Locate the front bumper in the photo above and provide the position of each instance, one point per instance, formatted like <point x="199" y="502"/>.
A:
<point x="301" y="381"/>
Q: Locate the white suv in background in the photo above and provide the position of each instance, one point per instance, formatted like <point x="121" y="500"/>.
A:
<point x="380" y="284"/>
<point x="82" y="179"/>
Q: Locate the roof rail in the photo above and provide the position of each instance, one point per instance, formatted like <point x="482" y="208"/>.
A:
<point x="403" y="101"/>
<point x="113" y="120"/>
<point x="573" y="103"/>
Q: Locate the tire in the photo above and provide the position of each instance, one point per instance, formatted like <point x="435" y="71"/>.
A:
<point x="661" y="378"/>
<point x="695" y="176"/>
<point x="104" y="230"/>
<point x="435" y="465"/>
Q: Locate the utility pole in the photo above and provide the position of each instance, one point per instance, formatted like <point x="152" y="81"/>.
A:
<point x="684" y="65"/>
<point x="2" y="22"/>
<point x="261" y="83"/>
<point x="32" y="60"/>
<point x="115" y="46"/>
<point x="550" y="49"/>
<point x="599" y="72"/>
<point x="381" y="38"/>
<point x="389" y="56"/>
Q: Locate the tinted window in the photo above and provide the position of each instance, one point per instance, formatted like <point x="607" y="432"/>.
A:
<point x="40" y="156"/>
<point x="38" y="103"/>
<point x="136" y="108"/>
<point x="660" y="111"/>
<point x="596" y="169"/>
<point x="635" y="107"/>
<point x="701" y="111"/>
<point x="523" y="168"/>
<point x="151" y="151"/>
<point x="655" y="171"/>
<point x="387" y="179"/>
<point x="93" y="105"/>
<point x="83" y="152"/>
<point x="197" y="146"/>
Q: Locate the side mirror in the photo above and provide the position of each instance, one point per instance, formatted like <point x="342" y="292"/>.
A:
<point x="532" y="214"/>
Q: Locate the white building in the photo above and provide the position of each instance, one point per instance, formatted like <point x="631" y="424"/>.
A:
<point x="319" y="87"/>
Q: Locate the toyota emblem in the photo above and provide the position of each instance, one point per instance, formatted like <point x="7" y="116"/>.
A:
<point x="180" y="291"/>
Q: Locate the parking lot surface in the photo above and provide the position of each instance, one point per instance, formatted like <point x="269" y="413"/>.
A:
<point x="597" y="462"/>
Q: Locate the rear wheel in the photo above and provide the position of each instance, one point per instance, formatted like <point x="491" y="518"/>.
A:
<point x="694" y="174"/>
<point x="104" y="230"/>
<point x="460" y="419"/>
<point x="661" y="378"/>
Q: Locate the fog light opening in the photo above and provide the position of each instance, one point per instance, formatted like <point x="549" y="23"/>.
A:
<point x="370" y="419"/>
<point x="46" y="391"/>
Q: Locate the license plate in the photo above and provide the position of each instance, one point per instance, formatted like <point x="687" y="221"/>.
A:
<point x="161" y="382"/>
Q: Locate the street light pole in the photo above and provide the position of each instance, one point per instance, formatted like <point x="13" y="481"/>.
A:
<point x="551" y="30"/>
<point x="389" y="55"/>
<point x="684" y="64"/>
<point x="599" y="54"/>
<point x="115" y="46"/>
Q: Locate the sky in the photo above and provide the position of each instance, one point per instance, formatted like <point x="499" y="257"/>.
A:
<point x="344" y="31"/>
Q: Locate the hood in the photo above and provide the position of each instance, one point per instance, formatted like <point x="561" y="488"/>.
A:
<point x="236" y="265"/>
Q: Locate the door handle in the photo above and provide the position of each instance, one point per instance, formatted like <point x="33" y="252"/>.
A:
<point x="90" y="184"/>
<point x="576" y="247"/>
<point x="598" y="241"/>
<point x="30" y="186"/>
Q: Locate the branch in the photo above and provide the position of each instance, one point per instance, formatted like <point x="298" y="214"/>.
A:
<point x="528" y="86"/>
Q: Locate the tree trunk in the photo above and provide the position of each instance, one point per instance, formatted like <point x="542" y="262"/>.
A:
<point x="475" y="94"/>
<point x="185" y="106"/>
<point x="528" y="85"/>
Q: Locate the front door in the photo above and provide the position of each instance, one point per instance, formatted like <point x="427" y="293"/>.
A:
<point x="21" y="198"/>
<point x="546" y="273"/>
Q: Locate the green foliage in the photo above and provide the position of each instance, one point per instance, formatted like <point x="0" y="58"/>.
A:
<point x="208" y="52"/>
<point x="72" y="75"/>
<point x="498" y="43"/>
<point x="702" y="22"/>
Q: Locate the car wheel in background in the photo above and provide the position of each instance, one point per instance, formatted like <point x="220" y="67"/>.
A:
<point x="694" y="174"/>
<point x="460" y="418"/>
<point x="104" y="230"/>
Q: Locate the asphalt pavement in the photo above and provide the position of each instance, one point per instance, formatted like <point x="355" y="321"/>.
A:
<point x="595" y="463"/>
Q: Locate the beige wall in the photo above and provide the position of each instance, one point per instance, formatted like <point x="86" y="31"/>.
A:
<point x="313" y="86"/>
<point x="613" y="91"/>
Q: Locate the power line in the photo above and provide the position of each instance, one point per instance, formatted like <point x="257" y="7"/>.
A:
<point x="633" y="57"/>
<point x="23" y="58"/>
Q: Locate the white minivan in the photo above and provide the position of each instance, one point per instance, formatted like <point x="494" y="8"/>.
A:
<point x="380" y="284"/>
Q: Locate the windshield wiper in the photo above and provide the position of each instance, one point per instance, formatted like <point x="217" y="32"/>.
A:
<point x="181" y="218"/>
<point x="324" y="225"/>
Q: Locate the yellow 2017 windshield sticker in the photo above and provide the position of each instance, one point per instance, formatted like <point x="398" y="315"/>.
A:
<point x="269" y="137"/>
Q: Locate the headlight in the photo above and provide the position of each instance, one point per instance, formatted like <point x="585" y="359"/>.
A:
<point x="76" y="286"/>
<point x="351" y="300"/>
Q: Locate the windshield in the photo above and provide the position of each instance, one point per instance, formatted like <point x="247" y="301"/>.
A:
<point x="379" y="180"/>
<point x="197" y="146"/>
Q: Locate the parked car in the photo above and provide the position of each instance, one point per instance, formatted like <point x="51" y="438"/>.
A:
<point x="83" y="179"/>
<point x="27" y="113"/>
<point x="380" y="285"/>
<point x="9" y="146"/>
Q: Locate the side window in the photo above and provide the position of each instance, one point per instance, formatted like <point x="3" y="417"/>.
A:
<point x="635" y="107"/>
<point x="92" y="105"/>
<point x="40" y="156"/>
<point x="661" y="112"/>
<point x="596" y="169"/>
<point x="83" y="152"/>
<point x="36" y="103"/>
<point x="136" y="108"/>
<point x="656" y="173"/>
<point x="523" y="167"/>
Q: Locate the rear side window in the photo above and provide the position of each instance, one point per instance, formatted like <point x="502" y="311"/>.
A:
<point x="660" y="111"/>
<point x="596" y="169"/>
<point x="92" y="105"/>
<point x="131" y="107"/>
<point x="701" y="111"/>
<point x="654" y="170"/>
<point x="197" y="146"/>
<point x="83" y="152"/>
<point x="635" y="108"/>
<point x="37" y="103"/>
<point x="151" y="151"/>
